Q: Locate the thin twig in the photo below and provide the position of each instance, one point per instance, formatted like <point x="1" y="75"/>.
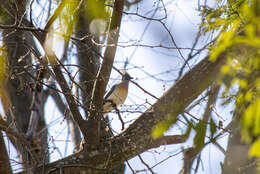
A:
<point x="146" y="165"/>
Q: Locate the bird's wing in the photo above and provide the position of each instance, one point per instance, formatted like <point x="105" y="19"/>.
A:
<point x="110" y="92"/>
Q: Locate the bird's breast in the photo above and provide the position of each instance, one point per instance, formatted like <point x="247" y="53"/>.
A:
<point x="119" y="96"/>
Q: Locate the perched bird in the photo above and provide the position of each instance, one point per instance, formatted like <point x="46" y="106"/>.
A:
<point x="117" y="94"/>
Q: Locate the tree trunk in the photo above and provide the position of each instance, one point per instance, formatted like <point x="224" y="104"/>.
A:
<point x="236" y="159"/>
<point x="26" y="111"/>
<point x="5" y="167"/>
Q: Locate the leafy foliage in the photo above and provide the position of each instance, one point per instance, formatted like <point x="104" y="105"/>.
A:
<point x="213" y="129"/>
<point x="240" y="35"/>
<point x="67" y="19"/>
<point x="163" y="126"/>
<point x="201" y="132"/>
<point x="238" y="23"/>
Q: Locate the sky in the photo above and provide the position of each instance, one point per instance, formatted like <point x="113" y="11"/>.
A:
<point x="155" y="69"/>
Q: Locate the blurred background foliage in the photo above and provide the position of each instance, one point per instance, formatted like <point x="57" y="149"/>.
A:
<point x="238" y="25"/>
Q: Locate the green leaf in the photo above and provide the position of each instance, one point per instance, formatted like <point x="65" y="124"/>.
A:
<point x="213" y="128"/>
<point x="254" y="150"/>
<point x="251" y="120"/>
<point x="188" y="130"/>
<point x="200" y="135"/>
<point x="163" y="126"/>
<point x="159" y="129"/>
<point x="95" y="9"/>
<point x="224" y="41"/>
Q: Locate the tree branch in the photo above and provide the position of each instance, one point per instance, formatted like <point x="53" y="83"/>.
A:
<point x="92" y="137"/>
<point x="13" y="134"/>
<point x="75" y="133"/>
<point x="66" y="90"/>
<point x="55" y="15"/>
<point x="192" y="152"/>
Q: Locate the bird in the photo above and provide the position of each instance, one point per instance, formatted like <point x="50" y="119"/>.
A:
<point x="117" y="94"/>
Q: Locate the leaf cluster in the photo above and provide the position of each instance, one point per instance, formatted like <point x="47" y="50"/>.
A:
<point x="240" y="39"/>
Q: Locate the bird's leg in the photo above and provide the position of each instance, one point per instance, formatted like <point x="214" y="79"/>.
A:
<point x="117" y="111"/>
<point x="120" y="118"/>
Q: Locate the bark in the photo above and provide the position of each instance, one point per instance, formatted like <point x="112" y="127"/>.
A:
<point x="87" y="56"/>
<point x="236" y="158"/>
<point x="5" y="167"/>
